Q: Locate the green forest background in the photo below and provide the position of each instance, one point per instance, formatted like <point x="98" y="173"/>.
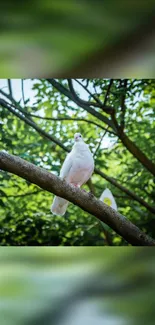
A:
<point x="116" y="118"/>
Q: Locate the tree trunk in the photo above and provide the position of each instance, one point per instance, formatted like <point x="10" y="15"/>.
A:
<point x="137" y="153"/>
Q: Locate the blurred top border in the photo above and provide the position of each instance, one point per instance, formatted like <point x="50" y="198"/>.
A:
<point x="76" y="39"/>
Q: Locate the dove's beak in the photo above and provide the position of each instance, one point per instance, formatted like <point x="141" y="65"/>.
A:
<point x="77" y="138"/>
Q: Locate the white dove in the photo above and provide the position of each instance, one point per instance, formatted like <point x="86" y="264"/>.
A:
<point x="76" y="170"/>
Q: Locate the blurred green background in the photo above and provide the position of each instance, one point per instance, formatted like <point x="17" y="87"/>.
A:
<point x="77" y="38"/>
<point x="77" y="286"/>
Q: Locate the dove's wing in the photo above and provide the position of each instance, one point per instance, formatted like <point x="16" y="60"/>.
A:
<point x="59" y="205"/>
<point x="66" y="166"/>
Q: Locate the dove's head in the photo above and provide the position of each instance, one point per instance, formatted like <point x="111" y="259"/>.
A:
<point x="78" y="137"/>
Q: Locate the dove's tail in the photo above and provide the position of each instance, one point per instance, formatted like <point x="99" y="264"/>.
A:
<point x="59" y="206"/>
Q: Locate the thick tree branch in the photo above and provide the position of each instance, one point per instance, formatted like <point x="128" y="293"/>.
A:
<point x="107" y="235"/>
<point x="125" y="190"/>
<point x="136" y="152"/>
<point x="89" y="203"/>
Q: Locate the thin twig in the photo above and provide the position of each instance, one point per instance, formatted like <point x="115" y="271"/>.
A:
<point x="22" y="88"/>
<point x="123" y="106"/>
<point x="88" y="91"/>
<point x="98" y="146"/>
<point x="108" y="91"/>
<point x="10" y="87"/>
<point x="71" y="119"/>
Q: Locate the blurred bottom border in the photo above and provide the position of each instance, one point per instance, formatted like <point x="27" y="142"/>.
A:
<point x="77" y="285"/>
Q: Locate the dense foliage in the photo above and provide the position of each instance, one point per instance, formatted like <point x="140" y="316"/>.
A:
<point x="129" y="105"/>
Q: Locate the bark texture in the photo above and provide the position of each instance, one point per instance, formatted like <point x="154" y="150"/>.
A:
<point x="85" y="201"/>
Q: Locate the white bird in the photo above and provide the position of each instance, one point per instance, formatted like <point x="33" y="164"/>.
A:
<point x="108" y="199"/>
<point x="76" y="170"/>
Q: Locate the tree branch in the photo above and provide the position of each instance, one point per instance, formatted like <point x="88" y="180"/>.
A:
<point x="89" y="203"/>
<point x="98" y="146"/>
<point x="22" y="88"/>
<point x="106" y="109"/>
<point x="72" y="119"/>
<point x="10" y="87"/>
<point x="50" y="118"/>
<point x="97" y="103"/>
<point x="86" y="107"/>
<point x="31" y="123"/>
<point x="107" y="235"/>
<point x="108" y="91"/>
<point x="123" y="106"/>
<point x="136" y="152"/>
<point x="125" y="190"/>
<point x="103" y="106"/>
